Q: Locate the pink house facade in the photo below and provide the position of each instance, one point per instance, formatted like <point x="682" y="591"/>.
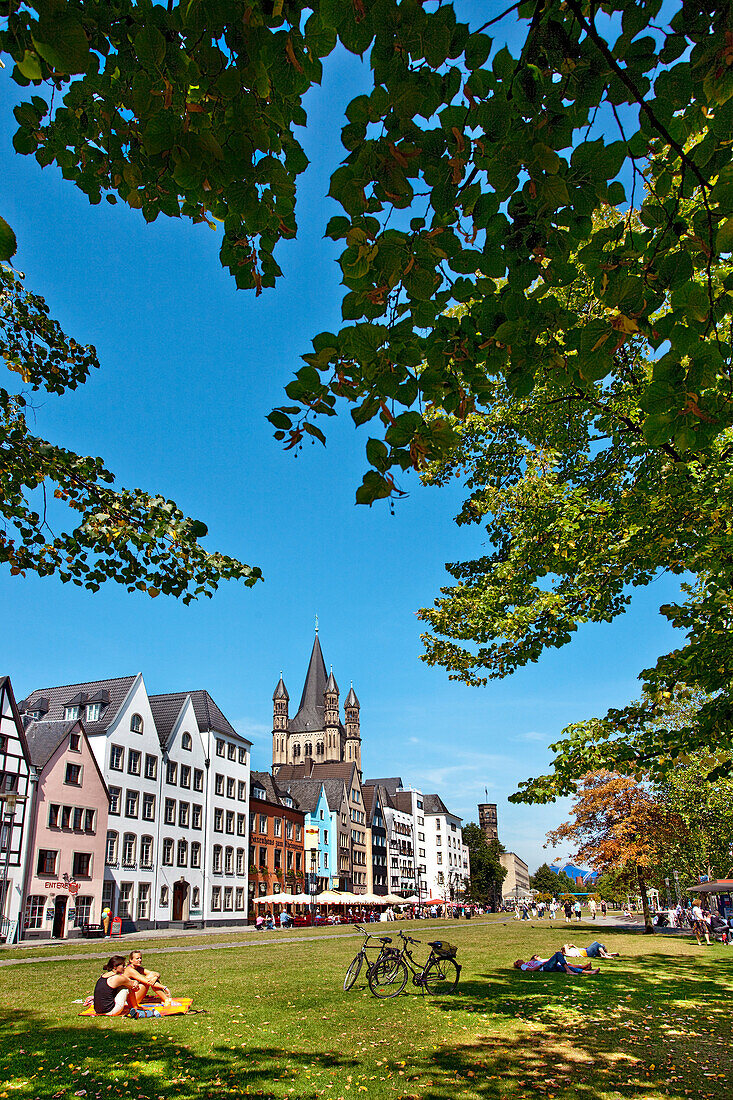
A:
<point x="65" y="868"/>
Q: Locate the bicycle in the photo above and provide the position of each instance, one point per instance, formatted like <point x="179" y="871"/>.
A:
<point x="438" y="976"/>
<point x="361" y="957"/>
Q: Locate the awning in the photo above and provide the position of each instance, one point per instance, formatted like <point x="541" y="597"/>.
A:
<point x="719" y="886"/>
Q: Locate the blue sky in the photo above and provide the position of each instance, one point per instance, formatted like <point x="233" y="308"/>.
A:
<point x="190" y="369"/>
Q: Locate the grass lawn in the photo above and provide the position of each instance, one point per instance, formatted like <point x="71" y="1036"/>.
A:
<point x="655" y="1023"/>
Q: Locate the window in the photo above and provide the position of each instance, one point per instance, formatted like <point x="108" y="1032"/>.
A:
<point x="73" y="775"/>
<point x="278" y="853"/>
<point x="421" y="836"/>
<point x="34" y="911"/>
<point x="53" y="815"/>
<point x="289" y="830"/>
<point x="114" y="800"/>
<point x="148" y="807"/>
<point x="231" y="751"/>
<point x="146" y="853"/>
<point x="196" y="816"/>
<point x="242" y="756"/>
<point x="216" y="897"/>
<point x="216" y="865"/>
<point x="169" y="811"/>
<point x="71" y="714"/>
<point x="195" y="853"/>
<point x="131" y="801"/>
<point x="439" y="858"/>
<point x="196" y="899"/>
<point x="239" y="898"/>
<point x="90" y="823"/>
<point x="136" y="724"/>
<point x="263" y="857"/>
<point x="241" y="824"/>
<point x="240" y="861"/>
<point x="219" y="748"/>
<point x="82" y="865"/>
<point x="171" y="773"/>
<point x="242" y="791"/>
<point x="419" y="804"/>
<point x="230" y="821"/>
<point x="133" y="762"/>
<point x="182" y="853"/>
<point x="129" y="844"/>
<point x="125" y="906"/>
<point x="163" y="897"/>
<point x="437" y="823"/>
<point x="116" y="757"/>
<point x="218" y="821"/>
<point x="151" y="766"/>
<point x="218" y="784"/>
<point x="75" y="742"/>
<point x="230" y="788"/>
<point x="325" y="860"/>
<point x="183" y="813"/>
<point x="259" y="793"/>
<point x="93" y="711"/>
<point x="185" y="775"/>
<point x="143" y="900"/>
<point x="321" y="815"/>
<point x="228" y="895"/>
<point x="263" y="824"/>
<point x="298" y="831"/>
<point x="46" y="862"/>
<point x="186" y="742"/>
<point x="198" y="779"/>
<point x="78" y="819"/>
<point x="277" y="826"/>
<point x="229" y="861"/>
<point x="167" y="852"/>
<point x="325" y="836"/>
<point x="252" y="822"/>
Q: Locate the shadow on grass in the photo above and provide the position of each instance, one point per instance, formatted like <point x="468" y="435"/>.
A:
<point x="108" y="1058"/>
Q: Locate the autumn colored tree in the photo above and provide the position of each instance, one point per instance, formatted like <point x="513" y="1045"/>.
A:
<point x="616" y="825"/>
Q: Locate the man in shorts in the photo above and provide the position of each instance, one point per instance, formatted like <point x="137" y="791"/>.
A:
<point x="116" y="994"/>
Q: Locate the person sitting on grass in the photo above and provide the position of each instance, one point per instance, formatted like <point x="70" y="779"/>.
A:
<point x="116" y="994"/>
<point x="556" y="963"/>
<point x="149" y="980"/>
<point x="594" y="950"/>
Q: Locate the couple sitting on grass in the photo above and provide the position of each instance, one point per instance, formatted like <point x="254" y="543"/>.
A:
<point x="124" y="985"/>
<point x="559" y="961"/>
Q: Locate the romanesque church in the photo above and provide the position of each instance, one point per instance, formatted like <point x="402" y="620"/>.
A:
<point x="316" y="734"/>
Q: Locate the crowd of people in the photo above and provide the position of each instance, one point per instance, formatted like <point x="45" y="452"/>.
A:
<point x="571" y="909"/>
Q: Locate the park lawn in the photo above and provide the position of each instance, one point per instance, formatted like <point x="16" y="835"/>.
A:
<point x="278" y="1024"/>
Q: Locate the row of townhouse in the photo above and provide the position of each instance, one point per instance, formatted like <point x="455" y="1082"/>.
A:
<point x="132" y="803"/>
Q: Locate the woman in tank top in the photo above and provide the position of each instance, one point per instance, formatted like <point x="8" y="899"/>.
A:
<point x="114" y="993"/>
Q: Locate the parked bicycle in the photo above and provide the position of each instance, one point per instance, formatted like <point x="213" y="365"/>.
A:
<point x="362" y="957"/>
<point x="438" y="975"/>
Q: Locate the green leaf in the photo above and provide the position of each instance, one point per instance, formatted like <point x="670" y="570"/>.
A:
<point x="478" y="48"/>
<point x="60" y="40"/>
<point x="30" y="66"/>
<point x="150" y="47"/>
<point x="8" y="243"/>
<point x="724" y="236"/>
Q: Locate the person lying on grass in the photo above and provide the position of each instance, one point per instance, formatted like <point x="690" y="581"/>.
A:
<point x="594" y="950"/>
<point x="148" y="979"/>
<point x="116" y="994"/>
<point x="557" y="962"/>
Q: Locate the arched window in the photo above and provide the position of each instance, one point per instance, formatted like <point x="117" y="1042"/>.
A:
<point x="164" y="895"/>
<point x="146" y="853"/>
<point x="195" y="900"/>
<point x="136" y="724"/>
<point x="308" y="751"/>
<point x="296" y="750"/>
<point x="319" y="748"/>
<point x="129" y="845"/>
<point x="217" y="859"/>
<point x="186" y="742"/>
<point x="111" y="852"/>
<point x="229" y="861"/>
<point x="182" y="853"/>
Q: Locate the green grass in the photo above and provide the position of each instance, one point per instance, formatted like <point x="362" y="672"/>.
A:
<point x="653" y="1024"/>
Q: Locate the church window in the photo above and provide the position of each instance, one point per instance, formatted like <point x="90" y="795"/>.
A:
<point x="308" y="749"/>
<point x="296" y="750"/>
<point x="319" y="748"/>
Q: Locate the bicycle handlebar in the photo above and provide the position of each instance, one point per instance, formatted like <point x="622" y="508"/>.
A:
<point x="409" y="939"/>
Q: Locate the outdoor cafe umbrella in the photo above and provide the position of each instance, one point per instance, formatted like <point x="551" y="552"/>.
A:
<point x="413" y="900"/>
<point x="268" y="899"/>
<point x="330" y="897"/>
<point x="392" y="899"/>
<point x="370" y="899"/>
<point x="301" y="899"/>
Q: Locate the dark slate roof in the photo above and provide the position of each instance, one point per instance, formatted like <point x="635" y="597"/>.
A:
<point x="166" y="709"/>
<point x="332" y="685"/>
<point x="351" y="699"/>
<point x="369" y="798"/>
<point x="274" y="791"/>
<point x="310" y="714"/>
<point x="288" y="772"/>
<point x="281" y="692"/>
<point x="208" y="715"/>
<point x="44" y="738"/>
<point x="60" y="697"/>
<point x="389" y="785"/>
<point x="434" y="804"/>
<point x="304" y="792"/>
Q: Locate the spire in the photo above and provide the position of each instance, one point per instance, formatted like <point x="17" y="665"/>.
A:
<point x="332" y="685"/>
<point x="310" y="714"/>
<point x="351" y="699"/>
<point x="281" y="692"/>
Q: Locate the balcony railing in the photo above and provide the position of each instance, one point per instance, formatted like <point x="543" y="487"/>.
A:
<point x="129" y="864"/>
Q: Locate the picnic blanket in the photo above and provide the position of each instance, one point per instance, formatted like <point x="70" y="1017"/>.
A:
<point x="179" y="1006"/>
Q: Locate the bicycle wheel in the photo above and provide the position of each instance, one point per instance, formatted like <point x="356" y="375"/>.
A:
<point x="388" y="977"/>
<point x="441" y="977"/>
<point x="352" y="973"/>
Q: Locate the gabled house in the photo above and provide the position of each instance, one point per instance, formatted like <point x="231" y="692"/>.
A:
<point x="65" y="875"/>
<point x="277" y="841"/>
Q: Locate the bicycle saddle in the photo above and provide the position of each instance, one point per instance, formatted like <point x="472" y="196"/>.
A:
<point x="385" y="939"/>
<point x="435" y="943"/>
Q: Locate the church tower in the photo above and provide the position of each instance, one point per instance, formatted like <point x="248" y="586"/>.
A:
<point x="332" y="735"/>
<point x="353" y="733"/>
<point x="280" y="700"/>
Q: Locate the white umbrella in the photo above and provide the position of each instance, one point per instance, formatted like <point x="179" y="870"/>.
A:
<point x="370" y="899"/>
<point x="330" y="897"/>
<point x="392" y="899"/>
<point x="414" y="900"/>
<point x="301" y="899"/>
<point x="268" y="899"/>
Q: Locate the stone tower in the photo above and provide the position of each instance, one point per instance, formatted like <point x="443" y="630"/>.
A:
<point x="353" y="733"/>
<point x="280" y="701"/>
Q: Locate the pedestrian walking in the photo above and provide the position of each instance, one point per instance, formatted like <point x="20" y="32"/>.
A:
<point x="577" y="909"/>
<point x="592" y="908"/>
<point x="568" y="907"/>
<point x="603" y="907"/>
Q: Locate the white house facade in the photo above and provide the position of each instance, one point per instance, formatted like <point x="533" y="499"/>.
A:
<point x="446" y="858"/>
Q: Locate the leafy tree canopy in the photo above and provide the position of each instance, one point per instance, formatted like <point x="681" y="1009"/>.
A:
<point x="487" y="873"/>
<point x="472" y="176"/>
<point x="550" y="882"/>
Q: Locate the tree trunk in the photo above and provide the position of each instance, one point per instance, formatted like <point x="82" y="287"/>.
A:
<point x="648" y="923"/>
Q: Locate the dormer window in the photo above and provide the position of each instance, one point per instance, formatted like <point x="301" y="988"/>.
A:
<point x="93" y="711"/>
<point x="136" y="724"/>
<point x="288" y="801"/>
<point x="71" y="713"/>
<point x="258" y="792"/>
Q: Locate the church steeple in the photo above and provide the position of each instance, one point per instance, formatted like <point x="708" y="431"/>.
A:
<point x="280" y="701"/>
<point x="332" y="738"/>
<point x="352" y="707"/>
